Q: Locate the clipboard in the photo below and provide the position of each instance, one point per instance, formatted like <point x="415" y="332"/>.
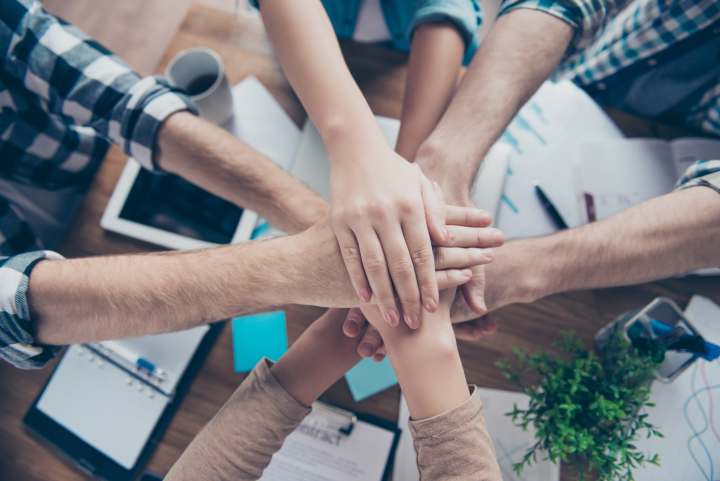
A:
<point x="87" y="457"/>
<point x="333" y="443"/>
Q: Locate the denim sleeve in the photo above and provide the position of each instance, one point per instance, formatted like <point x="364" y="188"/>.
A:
<point x="466" y="15"/>
<point x="17" y="345"/>
<point x="588" y="17"/>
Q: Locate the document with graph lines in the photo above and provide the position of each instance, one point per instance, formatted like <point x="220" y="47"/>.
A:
<point x="686" y="412"/>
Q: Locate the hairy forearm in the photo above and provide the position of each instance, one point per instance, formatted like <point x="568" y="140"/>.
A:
<point x="435" y="59"/>
<point x="306" y="46"/>
<point x="92" y="299"/>
<point x="662" y="237"/>
<point x="521" y="51"/>
<point x="215" y="160"/>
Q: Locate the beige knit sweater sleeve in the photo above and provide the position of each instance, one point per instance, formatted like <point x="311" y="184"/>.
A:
<point x="456" y="445"/>
<point x="238" y="443"/>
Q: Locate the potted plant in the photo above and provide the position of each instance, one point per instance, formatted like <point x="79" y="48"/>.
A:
<point x="586" y="411"/>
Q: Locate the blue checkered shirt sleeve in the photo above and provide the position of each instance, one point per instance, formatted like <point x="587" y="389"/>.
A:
<point x="17" y="345"/>
<point x="702" y="173"/>
<point x="75" y="79"/>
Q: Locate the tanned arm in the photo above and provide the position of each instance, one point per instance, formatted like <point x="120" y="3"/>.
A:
<point x="659" y="238"/>
<point x="217" y="161"/>
<point x="521" y="51"/>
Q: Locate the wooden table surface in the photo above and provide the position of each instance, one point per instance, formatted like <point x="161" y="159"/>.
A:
<point x="243" y="45"/>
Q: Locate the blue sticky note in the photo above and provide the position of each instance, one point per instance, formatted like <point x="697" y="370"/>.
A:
<point x="255" y="337"/>
<point x="370" y="377"/>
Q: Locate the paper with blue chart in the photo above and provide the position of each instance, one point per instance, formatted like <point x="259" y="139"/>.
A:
<point x="686" y="412"/>
<point x="540" y="136"/>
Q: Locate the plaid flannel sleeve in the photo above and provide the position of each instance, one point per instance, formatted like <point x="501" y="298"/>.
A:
<point x="587" y="16"/>
<point x="17" y="345"/>
<point x="702" y="173"/>
<point x="79" y="79"/>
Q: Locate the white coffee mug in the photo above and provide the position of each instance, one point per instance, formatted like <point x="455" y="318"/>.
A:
<point x="201" y="73"/>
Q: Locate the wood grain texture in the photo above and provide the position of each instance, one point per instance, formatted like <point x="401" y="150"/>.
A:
<point x="138" y="31"/>
<point x="243" y="45"/>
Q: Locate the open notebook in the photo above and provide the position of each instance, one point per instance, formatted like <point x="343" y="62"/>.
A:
<point x="612" y="175"/>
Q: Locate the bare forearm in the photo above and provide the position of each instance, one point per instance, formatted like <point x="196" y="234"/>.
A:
<point x="306" y="46"/>
<point x="218" y="162"/>
<point x="521" y="51"/>
<point x="663" y="237"/>
<point x="85" y="300"/>
<point x="435" y="59"/>
<point x="426" y="362"/>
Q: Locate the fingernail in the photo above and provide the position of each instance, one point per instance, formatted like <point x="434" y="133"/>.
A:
<point x="498" y="236"/>
<point x="351" y="327"/>
<point x="365" y="295"/>
<point x="466" y="273"/>
<point x="481" y="302"/>
<point x="412" y="320"/>
<point x="430" y="305"/>
<point x="379" y="357"/>
<point x="392" y="317"/>
<point x="489" y="254"/>
<point x="485" y="218"/>
<point x="365" y="349"/>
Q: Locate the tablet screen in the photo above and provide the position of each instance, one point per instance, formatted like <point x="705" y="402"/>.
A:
<point x="174" y="205"/>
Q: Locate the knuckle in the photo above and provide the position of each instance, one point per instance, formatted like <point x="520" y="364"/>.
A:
<point x="406" y="206"/>
<point x="375" y="265"/>
<point x="423" y="257"/>
<point x="401" y="269"/>
<point x="350" y="254"/>
<point x="380" y="209"/>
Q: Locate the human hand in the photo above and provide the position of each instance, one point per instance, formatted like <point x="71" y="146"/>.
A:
<point x="326" y="281"/>
<point x="384" y="214"/>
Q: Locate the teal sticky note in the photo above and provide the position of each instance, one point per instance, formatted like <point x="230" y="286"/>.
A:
<point x="258" y="336"/>
<point x="370" y="377"/>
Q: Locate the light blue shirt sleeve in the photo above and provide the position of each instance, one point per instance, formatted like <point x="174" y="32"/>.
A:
<point x="466" y="15"/>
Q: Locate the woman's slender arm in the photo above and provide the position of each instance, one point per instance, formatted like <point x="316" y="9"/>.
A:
<point x="383" y="213"/>
<point x="447" y="425"/>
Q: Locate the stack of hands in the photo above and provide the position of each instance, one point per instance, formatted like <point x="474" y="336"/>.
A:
<point x="403" y="249"/>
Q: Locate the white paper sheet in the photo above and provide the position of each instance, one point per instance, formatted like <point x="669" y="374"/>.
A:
<point x="622" y="173"/>
<point x="686" y="412"/>
<point x="540" y="135"/>
<point x="316" y="451"/>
